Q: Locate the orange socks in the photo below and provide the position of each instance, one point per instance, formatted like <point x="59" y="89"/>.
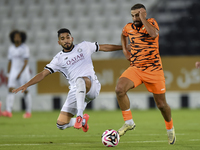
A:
<point x="127" y="115"/>
<point x="169" y="125"/>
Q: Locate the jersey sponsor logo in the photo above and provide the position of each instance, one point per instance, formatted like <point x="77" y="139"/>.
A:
<point x="75" y="59"/>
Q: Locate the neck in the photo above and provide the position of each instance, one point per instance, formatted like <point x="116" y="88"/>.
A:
<point x="16" y="44"/>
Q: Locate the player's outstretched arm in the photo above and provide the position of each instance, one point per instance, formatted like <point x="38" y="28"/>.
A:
<point x="109" y="47"/>
<point x="40" y="76"/>
<point x="197" y="64"/>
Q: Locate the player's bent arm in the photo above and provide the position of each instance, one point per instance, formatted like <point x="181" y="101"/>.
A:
<point x="40" y="76"/>
<point x="125" y="46"/>
<point x="153" y="32"/>
<point x="109" y="47"/>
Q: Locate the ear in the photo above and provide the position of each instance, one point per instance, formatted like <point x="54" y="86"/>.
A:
<point x="59" y="42"/>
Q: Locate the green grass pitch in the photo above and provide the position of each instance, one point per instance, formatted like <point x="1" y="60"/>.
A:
<point x="40" y="131"/>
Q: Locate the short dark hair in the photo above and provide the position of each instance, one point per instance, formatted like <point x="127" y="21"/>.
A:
<point x="21" y="33"/>
<point x="63" y="30"/>
<point x="138" y="6"/>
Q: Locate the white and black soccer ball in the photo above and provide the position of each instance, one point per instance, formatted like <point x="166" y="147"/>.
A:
<point x="110" y="138"/>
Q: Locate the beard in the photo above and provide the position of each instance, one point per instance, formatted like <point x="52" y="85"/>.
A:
<point x="138" y="23"/>
<point x="68" y="47"/>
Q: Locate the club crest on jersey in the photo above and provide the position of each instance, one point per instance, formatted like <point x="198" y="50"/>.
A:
<point x="79" y="50"/>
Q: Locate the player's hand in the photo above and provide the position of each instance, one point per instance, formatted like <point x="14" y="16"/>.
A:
<point x="22" y="88"/>
<point x="129" y="47"/>
<point x="142" y="12"/>
<point x="127" y="54"/>
<point x="197" y="64"/>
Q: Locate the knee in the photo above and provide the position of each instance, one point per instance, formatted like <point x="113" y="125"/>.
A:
<point x="80" y="82"/>
<point x="119" y="90"/>
<point x="161" y="106"/>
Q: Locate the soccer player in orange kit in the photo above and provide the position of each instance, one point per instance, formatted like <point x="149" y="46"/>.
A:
<point x="145" y="67"/>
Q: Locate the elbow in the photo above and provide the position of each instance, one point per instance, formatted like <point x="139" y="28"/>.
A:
<point x="154" y="34"/>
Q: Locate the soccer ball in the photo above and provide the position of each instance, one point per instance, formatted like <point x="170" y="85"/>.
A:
<point x="110" y="138"/>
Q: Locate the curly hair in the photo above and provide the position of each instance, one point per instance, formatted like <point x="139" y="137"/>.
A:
<point x="22" y="34"/>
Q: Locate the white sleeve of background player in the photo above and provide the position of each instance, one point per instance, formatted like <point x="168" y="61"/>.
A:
<point x="53" y="66"/>
<point x="26" y="52"/>
<point x="93" y="47"/>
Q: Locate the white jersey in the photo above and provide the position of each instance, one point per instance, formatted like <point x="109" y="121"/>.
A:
<point x="17" y="55"/>
<point x="76" y="63"/>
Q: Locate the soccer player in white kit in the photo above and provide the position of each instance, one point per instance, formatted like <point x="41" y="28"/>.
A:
<point x="75" y="63"/>
<point x="18" y="70"/>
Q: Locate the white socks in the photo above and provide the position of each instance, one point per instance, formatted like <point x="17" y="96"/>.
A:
<point x="70" y="124"/>
<point x="80" y="96"/>
<point x="129" y="122"/>
<point x="10" y="101"/>
<point x="28" y="102"/>
<point x="170" y="129"/>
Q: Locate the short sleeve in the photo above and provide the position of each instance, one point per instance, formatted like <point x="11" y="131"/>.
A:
<point x="26" y="52"/>
<point x="124" y="31"/>
<point x="93" y="46"/>
<point x="53" y="65"/>
<point x="153" y="22"/>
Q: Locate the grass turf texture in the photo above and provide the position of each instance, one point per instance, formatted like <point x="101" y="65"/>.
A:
<point x="40" y="131"/>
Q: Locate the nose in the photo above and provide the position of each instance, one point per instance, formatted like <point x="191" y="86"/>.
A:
<point x="134" y="18"/>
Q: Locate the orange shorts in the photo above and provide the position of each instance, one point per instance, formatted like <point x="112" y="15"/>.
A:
<point x="154" y="81"/>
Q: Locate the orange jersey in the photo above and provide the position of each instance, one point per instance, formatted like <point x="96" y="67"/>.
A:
<point x="144" y="49"/>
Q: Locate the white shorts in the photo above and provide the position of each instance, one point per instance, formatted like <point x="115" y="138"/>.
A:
<point x="14" y="83"/>
<point x="70" y="104"/>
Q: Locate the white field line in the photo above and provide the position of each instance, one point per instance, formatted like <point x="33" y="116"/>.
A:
<point x="161" y="141"/>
